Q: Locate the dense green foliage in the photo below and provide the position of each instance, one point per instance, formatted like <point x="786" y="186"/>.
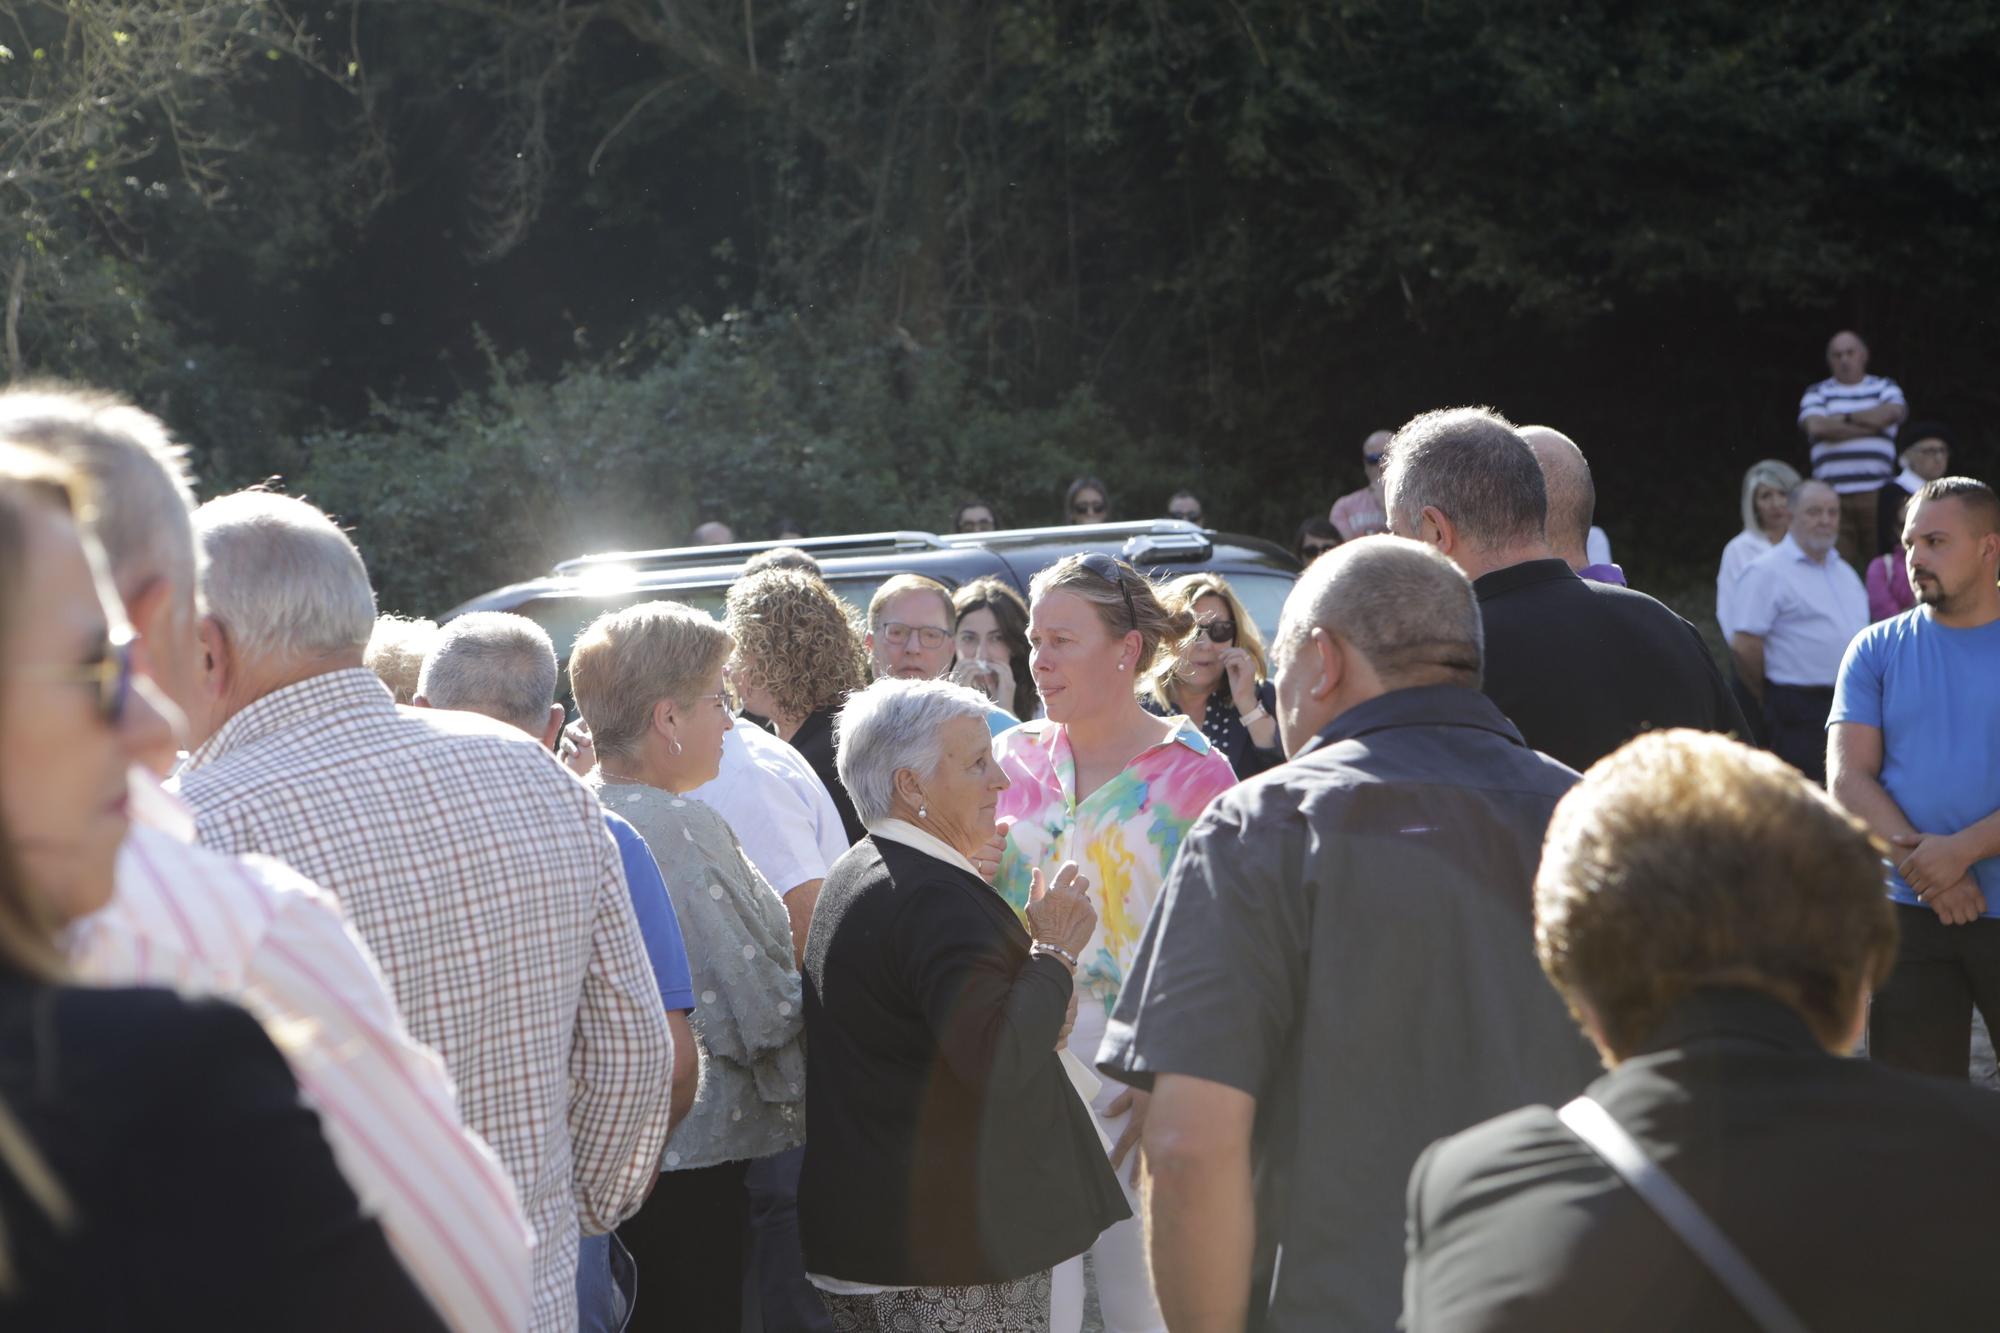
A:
<point x="500" y="280"/>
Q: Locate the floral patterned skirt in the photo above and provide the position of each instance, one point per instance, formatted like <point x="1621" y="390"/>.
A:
<point x="1020" y="1306"/>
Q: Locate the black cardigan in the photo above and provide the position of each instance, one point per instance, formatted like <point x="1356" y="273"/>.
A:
<point x="945" y="1146"/>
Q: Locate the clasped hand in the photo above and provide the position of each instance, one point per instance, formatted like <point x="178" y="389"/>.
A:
<point x="1938" y="872"/>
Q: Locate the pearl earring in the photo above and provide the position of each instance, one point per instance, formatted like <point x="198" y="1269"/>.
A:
<point x="922" y="812"/>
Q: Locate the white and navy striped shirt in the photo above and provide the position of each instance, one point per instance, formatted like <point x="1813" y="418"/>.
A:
<point x="1863" y="463"/>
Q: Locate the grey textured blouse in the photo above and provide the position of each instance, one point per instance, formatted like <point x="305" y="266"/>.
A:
<point x="747" y="1017"/>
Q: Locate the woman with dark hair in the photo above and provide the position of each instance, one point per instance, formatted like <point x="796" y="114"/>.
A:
<point x="1087" y="500"/>
<point x="797" y="659"/>
<point x="1105" y="784"/>
<point x="993" y="631"/>
<point x="1315" y="537"/>
<point x="156" y="1165"/>
<point x="975" y="515"/>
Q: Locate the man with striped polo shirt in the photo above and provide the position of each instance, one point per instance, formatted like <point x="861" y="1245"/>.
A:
<point x="1850" y="420"/>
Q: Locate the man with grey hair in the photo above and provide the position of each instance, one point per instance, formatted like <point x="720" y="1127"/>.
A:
<point x="1341" y="968"/>
<point x="475" y="866"/>
<point x="255" y="931"/>
<point x="1579" y="667"/>
<point x="396" y="649"/>
<point x="496" y="663"/>
<point x="1572" y="505"/>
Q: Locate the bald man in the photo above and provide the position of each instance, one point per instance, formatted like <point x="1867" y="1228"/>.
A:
<point x="1360" y="513"/>
<point x="1850" y="419"/>
<point x="1343" y="948"/>
<point x="1572" y="504"/>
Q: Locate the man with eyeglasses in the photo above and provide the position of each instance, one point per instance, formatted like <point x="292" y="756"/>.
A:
<point x="911" y="625"/>
<point x="1361" y="513"/>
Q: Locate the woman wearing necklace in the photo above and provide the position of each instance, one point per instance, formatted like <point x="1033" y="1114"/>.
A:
<point x="1105" y="784"/>
<point x="1217" y="681"/>
<point x="648" y="680"/>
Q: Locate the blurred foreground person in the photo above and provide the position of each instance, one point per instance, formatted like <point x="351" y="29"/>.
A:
<point x="155" y="1158"/>
<point x="1105" y="784"/>
<point x="1715" y="924"/>
<point x="396" y="650"/>
<point x="1798" y="607"/>
<point x="1912" y="751"/>
<point x="251" y="929"/>
<point x="1579" y="667"/>
<point x="1219" y="680"/>
<point x="797" y="658"/>
<point x="648" y="679"/>
<point x="951" y="1163"/>
<point x="1572" y="503"/>
<point x="1341" y="968"/>
<point x="452" y="841"/>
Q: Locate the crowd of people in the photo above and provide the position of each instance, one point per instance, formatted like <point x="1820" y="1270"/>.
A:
<point x="871" y="969"/>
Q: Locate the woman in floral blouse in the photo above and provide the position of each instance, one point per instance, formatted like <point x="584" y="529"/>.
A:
<point x="1103" y="783"/>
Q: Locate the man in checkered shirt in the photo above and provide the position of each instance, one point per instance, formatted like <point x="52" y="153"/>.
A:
<point x="473" y="864"/>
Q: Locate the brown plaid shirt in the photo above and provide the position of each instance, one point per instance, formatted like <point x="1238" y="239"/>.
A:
<point x="480" y="873"/>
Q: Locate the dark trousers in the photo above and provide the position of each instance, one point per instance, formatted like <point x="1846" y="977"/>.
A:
<point x="1922" y="1020"/>
<point x="1795" y="726"/>
<point x="777" y="1298"/>
<point x="688" y="1244"/>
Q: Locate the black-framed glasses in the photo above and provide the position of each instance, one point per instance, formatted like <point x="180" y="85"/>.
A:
<point x="1111" y="571"/>
<point x="110" y="671"/>
<point x="1218" y="631"/>
<point x="898" y="634"/>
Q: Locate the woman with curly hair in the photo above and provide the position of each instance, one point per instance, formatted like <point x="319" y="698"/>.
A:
<point x="797" y="658"/>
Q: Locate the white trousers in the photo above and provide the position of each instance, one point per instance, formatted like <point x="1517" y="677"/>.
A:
<point x="1124" y="1286"/>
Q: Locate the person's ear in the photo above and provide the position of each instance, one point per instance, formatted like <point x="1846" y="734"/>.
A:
<point x="1330" y="665"/>
<point x="552" y="732"/>
<point x="665" y="720"/>
<point x="906" y="786"/>
<point x="218" y="658"/>
<point x="1129" y="650"/>
<point x="1435" y="527"/>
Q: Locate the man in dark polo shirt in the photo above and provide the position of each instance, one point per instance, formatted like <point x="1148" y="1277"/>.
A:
<point x="1342" y="966"/>
<point x="1579" y="667"/>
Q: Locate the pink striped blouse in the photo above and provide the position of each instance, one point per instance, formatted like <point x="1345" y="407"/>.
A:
<point x="251" y="930"/>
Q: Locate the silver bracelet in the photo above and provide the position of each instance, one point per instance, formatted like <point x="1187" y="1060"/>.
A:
<point x="1041" y="948"/>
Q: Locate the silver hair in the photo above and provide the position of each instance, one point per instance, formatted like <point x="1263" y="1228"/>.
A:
<point x="1792" y="496"/>
<point x="1402" y="604"/>
<point x="1769" y="472"/>
<point x="492" y="662"/>
<point x="892" y="725"/>
<point x="140" y="484"/>
<point x="281" y="578"/>
<point x="396" y="651"/>
<point x="1470" y="464"/>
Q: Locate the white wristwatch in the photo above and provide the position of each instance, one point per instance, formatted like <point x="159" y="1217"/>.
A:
<point x="1257" y="714"/>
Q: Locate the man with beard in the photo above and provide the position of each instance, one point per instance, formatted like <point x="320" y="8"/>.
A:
<point x="1914" y="751"/>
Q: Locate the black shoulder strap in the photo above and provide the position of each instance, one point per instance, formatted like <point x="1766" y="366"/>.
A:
<point x="1603" y="1135"/>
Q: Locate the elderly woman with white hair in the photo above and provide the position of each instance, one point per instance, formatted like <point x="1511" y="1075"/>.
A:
<point x="952" y="1161"/>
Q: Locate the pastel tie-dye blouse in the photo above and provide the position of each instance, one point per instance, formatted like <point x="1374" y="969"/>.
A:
<point x="1123" y="836"/>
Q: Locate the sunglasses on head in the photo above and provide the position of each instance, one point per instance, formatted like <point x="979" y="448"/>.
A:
<point x="110" y="672"/>
<point x="1109" y="570"/>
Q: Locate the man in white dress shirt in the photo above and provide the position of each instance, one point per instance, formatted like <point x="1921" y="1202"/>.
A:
<point x="1798" y="607"/>
<point x="250" y="929"/>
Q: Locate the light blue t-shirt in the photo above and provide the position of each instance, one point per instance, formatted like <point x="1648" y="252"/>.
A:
<point x="659" y="928"/>
<point x="999" y="719"/>
<point x="1934" y="692"/>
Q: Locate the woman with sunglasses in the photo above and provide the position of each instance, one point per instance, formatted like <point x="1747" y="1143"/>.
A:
<point x="1103" y="783"/>
<point x="156" y="1165"/>
<point x="1088" y="500"/>
<point x="1218" y="679"/>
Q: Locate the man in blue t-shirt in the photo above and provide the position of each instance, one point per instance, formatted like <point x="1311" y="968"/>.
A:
<point x="1915" y="753"/>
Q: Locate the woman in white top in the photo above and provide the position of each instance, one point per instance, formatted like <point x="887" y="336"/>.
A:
<point x="1766" y="514"/>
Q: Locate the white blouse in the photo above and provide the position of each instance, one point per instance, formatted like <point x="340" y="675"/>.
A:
<point x="1744" y="547"/>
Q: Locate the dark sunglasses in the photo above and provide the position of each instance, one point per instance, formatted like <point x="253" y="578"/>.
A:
<point x="1313" y="550"/>
<point x="110" y="672"/>
<point x="1110" y="571"/>
<point x="1218" y="631"/>
<point x="1372" y="459"/>
<point x="1185" y="515"/>
<point x="1086" y="507"/>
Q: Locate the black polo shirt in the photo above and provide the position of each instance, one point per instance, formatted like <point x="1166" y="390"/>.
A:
<point x="1583" y="667"/>
<point x="1349" y="939"/>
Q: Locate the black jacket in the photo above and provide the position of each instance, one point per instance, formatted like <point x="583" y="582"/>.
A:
<point x="1868" y="1197"/>
<point x="815" y="743"/>
<point x="945" y="1146"/>
<point x="205" y="1196"/>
